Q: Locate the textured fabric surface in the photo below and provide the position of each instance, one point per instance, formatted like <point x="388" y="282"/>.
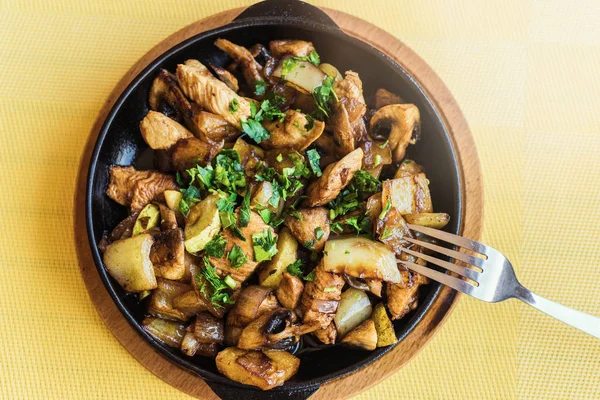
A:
<point x="526" y="76"/>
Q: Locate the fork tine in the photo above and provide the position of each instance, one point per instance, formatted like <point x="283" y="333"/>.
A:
<point x="440" y="277"/>
<point x="478" y="262"/>
<point x="469" y="273"/>
<point x="450" y="238"/>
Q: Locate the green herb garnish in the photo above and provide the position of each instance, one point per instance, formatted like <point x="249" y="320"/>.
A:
<point x="218" y="295"/>
<point x="260" y="87"/>
<point x="236" y="257"/>
<point x="323" y="95"/>
<point x="310" y="276"/>
<point x="319" y="233"/>
<point x="385" y="210"/>
<point x="216" y="246"/>
<point x="313" y="160"/>
<point x="245" y="211"/>
<point x="234" y="105"/>
<point x="264" y="244"/>
<point x="295" y="268"/>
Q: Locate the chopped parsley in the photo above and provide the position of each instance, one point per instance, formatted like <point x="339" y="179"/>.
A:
<point x="218" y="295"/>
<point x="377" y="160"/>
<point x="329" y="289"/>
<point x="297" y="215"/>
<point x="229" y="281"/>
<point x="260" y="87"/>
<point x="236" y="257"/>
<point x="265" y="214"/>
<point x="268" y="110"/>
<point x="314" y="58"/>
<point x="225" y="173"/>
<point x="310" y="276"/>
<point x="226" y="205"/>
<point x="216" y="246"/>
<point x="191" y="195"/>
<point x="264" y="244"/>
<point x="245" y="211"/>
<point x="234" y="105"/>
<point x="279" y="158"/>
<point x="384" y="144"/>
<point x="323" y="95"/>
<point x="288" y="66"/>
<point x="336" y="227"/>
<point x="310" y="123"/>
<point x="386" y="233"/>
<point x="319" y="233"/>
<point x="295" y="268"/>
<point x="313" y="160"/>
<point x="347" y="252"/>
<point x="349" y="198"/>
<point x="255" y="130"/>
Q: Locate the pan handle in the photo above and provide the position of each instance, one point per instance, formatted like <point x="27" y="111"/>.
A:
<point x="226" y="392"/>
<point x="287" y="9"/>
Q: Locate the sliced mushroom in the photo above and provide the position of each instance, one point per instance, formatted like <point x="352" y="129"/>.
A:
<point x="404" y="123"/>
<point x="251" y="69"/>
<point x="165" y="89"/>
<point x="226" y="77"/>
<point x="264" y="369"/>
<point x="335" y="178"/>
<point x="187" y="153"/>
<point x="343" y="133"/>
<point x="213" y="127"/>
<point x="252" y="301"/>
<point x="208" y="328"/>
<point x="297" y="48"/>
<point x="363" y="336"/>
<point x="310" y="226"/>
<point x="268" y="330"/>
<point x="292" y="132"/>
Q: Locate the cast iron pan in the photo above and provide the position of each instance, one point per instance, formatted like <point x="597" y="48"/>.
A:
<point x="120" y="142"/>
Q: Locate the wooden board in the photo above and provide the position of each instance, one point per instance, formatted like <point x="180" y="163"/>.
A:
<point x="410" y="346"/>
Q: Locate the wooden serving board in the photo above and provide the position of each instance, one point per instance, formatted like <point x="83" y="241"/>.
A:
<point x="392" y="361"/>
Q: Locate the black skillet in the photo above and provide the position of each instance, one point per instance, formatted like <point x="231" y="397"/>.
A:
<point x="120" y="142"/>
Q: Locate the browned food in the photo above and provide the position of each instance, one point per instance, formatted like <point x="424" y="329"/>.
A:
<point x="377" y="155"/>
<point x="169" y="332"/>
<point x="350" y="88"/>
<point x="190" y="303"/>
<point x="343" y="133"/>
<point x="326" y="335"/>
<point x="252" y="301"/>
<point x="210" y="93"/>
<point x="321" y="298"/>
<point x="297" y="48"/>
<point x="310" y="226"/>
<point x="408" y="168"/>
<point x="264" y="369"/>
<point x="403" y="296"/>
<point x="392" y="229"/>
<point x="335" y="177"/>
<point x="226" y="77"/>
<point x="187" y="153"/>
<point x="409" y="195"/>
<point x="289" y="291"/>
<point x="161" y="132"/>
<point x="375" y="286"/>
<point x="384" y="98"/>
<point x="133" y="188"/>
<point x="168" y="218"/>
<point x="167" y="254"/>
<point x="124" y="228"/>
<point x="208" y="328"/>
<point x="251" y="69"/>
<point x="363" y="336"/>
<point x="404" y="124"/>
<point x="292" y="132"/>
<point x="213" y="127"/>
<point x="223" y="265"/>
<point x="161" y="302"/>
<point x="165" y="89"/>
<point x="270" y="330"/>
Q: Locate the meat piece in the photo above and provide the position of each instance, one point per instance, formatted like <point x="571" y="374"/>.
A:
<point x="208" y="328"/>
<point x="292" y="132"/>
<point x="161" y="132"/>
<point x="130" y="187"/>
<point x="403" y="296"/>
<point x="167" y="254"/>
<point x="311" y="228"/>
<point x="289" y="291"/>
<point x="187" y="153"/>
<point x="343" y="132"/>
<point x="214" y="127"/>
<point x="211" y="94"/>
<point x="384" y="98"/>
<point x="226" y="77"/>
<point x="363" y="336"/>
<point x="321" y="298"/>
<point x="392" y="229"/>
<point x="297" y="48"/>
<point x="165" y="89"/>
<point x="350" y="88"/>
<point x="251" y="69"/>
<point x="335" y="177"/>
<point x="264" y="369"/>
<point x="168" y="219"/>
<point x="223" y="266"/>
<point x="326" y="335"/>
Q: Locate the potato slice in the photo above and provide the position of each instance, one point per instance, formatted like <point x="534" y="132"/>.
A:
<point x="361" y="258"/>
<point x="331" y="71"/>
<point x="304" y="76"/>
<point x="169" y="332"/>
<point x="386" y="336"/>
<point x="261" y="196"/>
<point x="172" y="198"/>
<point x="430" y="220"/>
<point x="409" y="194"/>
<point x="202" y="224"/>
<point x="250" y="155"/>
<point x="146" y="220"/>
<point x="354" y="308"/>
<point x="265" y="369"/>
<point x="128" y="262"/>
<point x="363" y="336"/>
<point x="287" y="253"/>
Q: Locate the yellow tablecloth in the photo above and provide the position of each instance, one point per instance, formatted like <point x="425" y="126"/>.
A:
<point x="527" y="76"/>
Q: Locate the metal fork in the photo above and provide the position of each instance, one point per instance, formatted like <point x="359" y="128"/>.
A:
<point x="493" y="279"/>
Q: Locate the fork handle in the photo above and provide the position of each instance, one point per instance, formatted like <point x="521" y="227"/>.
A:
<point x="577" y="319"/>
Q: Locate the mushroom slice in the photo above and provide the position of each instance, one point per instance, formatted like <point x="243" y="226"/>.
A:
<point x="384" y="98"/>
<point x="226" y="77"/>
<point x="213" y="127"/>
<point x="350" y="90"/>
<point x="161" y="302"/>
<point x="211" y="94"/>
<point x="297" y="48"/>
<point x="189" y="152"/>
<point x="310" y="226"/>
<point x="270" y="329"/>
<point x="165" y="89"/>
<point x="363" y="336"/>
<point x="404" y="122"/>
<point x="335" y="178"/>
<point x="292" y="132"/>
<point x="264" y="369"/>
<point x="251" y="69"/>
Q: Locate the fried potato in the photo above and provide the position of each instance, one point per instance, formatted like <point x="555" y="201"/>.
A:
<point x="272" y="271"/>
<point x="363" y="336"/>
<point x="202" y="224"/>
<point x="128" y="262"/>
<point x="430" y="220"/>
<point x="409" y="195"/>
